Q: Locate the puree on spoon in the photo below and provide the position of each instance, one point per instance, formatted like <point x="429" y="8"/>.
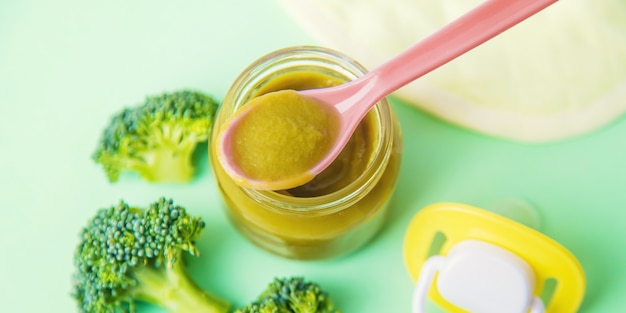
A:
<point x="276" y="139"/>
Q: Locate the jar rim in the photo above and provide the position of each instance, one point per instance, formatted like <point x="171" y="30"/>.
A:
<point x="315" y="57"/>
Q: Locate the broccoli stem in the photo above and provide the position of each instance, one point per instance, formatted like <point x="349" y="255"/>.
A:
<point x="173" y="290"/>
<point x="164" y="165"/>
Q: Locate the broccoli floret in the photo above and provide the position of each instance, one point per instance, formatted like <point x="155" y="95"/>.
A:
<point x="157" y="138"/>
<point x="127" y="254"/>
<point x="291" y="295"/>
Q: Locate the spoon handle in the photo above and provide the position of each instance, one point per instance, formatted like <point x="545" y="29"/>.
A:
<point x="463" y="34"/>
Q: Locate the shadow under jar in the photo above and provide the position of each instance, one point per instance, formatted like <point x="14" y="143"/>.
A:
<point x="343" y="207"/>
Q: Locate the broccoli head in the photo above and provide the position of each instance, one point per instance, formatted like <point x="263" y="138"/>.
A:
<point x="127" y="254"/>
<point x="157" y="138"/>
<point x="291" y="295"/>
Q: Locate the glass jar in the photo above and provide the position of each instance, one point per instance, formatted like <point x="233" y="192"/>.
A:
<point x="344" y="206"/>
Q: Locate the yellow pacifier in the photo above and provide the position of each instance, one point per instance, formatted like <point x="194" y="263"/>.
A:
<point x="466" y="259"/>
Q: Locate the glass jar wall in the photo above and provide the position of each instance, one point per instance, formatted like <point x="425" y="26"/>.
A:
<point x="344" y="206"/>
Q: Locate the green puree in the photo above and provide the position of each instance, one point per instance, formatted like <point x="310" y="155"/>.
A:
<point x="282" y="135"/>
<point x="348" y="166"/>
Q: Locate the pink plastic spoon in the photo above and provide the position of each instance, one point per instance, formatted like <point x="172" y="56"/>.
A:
<point x="352" y="100"/>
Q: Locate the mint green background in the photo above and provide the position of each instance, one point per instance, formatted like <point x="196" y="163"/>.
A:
<point x="67" y="65"/>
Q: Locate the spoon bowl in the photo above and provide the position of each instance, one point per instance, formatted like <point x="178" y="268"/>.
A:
<point x="342" y="107"/>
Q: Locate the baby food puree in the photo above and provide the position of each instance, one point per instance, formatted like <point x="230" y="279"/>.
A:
<point x="339" y="209"/>
<point x="278" y="137"/>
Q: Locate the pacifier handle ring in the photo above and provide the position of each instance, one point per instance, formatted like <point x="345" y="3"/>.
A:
<point x="426" y="278"/>
<point x="536" y="306"/>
